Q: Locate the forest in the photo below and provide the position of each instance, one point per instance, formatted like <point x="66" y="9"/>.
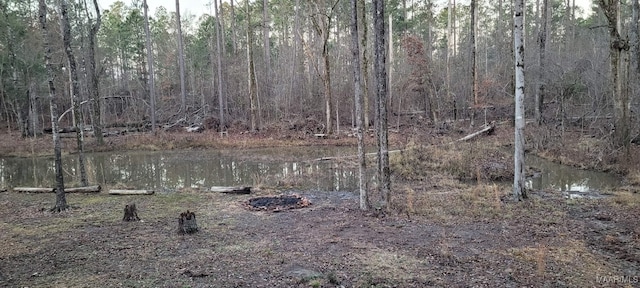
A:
<point x="202" y="79"/>
<point x="437" y="88"/>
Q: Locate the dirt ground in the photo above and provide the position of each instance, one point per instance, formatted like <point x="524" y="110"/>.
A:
<point x="443" y="231"/>
<point x="545" y="242"/>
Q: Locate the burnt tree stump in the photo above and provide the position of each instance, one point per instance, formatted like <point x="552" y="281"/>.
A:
<point x="187" y="223"/>
<point x="130" y="213"/>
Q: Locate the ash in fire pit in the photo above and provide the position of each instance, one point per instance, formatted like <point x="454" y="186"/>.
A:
<point x="277" y="203"/>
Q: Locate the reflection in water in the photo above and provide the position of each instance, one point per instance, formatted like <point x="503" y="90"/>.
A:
<point x="565" y="178"/>
<point x="172" y="170"/>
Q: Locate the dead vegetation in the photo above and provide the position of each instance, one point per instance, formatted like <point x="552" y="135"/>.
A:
<point x="453" y="224"/>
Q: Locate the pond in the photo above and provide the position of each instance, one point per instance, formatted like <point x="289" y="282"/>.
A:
<point x="566" y="178"/>
<point x="294" y="167"/>
<point x="168" y="171"/>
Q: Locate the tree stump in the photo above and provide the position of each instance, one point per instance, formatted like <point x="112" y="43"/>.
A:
<point x="187" y="223"/>
<point x="130" y="213"/>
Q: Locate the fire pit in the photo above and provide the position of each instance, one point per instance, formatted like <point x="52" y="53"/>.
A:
<point x="276" y="203"/>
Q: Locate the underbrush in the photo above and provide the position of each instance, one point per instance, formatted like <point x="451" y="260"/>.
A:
<point x="475" y="161"/>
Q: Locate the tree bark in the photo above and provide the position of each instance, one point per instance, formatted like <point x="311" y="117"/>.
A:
<point x="187" y="223"/>
<point x="322" y="25"/>
<point x="617" y="48"/>
<point x="130" y="213"/>
<point x="542" y="41"/>
<point x="183" y="88"/>
<point x="267" y="49"/>
<point x="365" y="62"/>
<point x="253" y="93"/>
<point x="152" y="86"/>
<point x="223" y="124"/>
<point x="474" y="71"/>
<point x="384" y="174"/>
<point x="519" y="192"/>
<point x="75" y="89"/>
<point x="234" y="41"/>
<point x="94" y="77"/>
<point x="61" y="200"/>
<point x="357" y="86"/>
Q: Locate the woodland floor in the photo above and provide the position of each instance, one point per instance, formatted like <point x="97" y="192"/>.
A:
<point x="443" y="231"/>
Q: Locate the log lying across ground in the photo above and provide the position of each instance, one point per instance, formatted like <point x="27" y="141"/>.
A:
<point x="86" y="189"/>
<point x="130" y="192"/>
<point x="486" y="129"/>
<point x="232" y="190"/>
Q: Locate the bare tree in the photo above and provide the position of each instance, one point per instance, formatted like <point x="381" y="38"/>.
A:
<point x="219" y="58"/>
<point x="542" y="41"/>
<point x="635" y="49"/>
<point x="183" y="89"/>
<point x="254" y="104"/>
<point x="61" y="200"/>
<point x="152" y="86"/>
<point x="75" y="89"/>
<point x="384" y="174"/>
<point x="234" y="41"/>
<point x="617" y="47"/>
<point x="322" y="24"/>
<point x="474" y="72"/>
<point x="519" y="191"/>
<point x="267" y="48"/>
<point x="357" y="86"/>
<point x="93" y="74"/>
<point x="365" y="61"/>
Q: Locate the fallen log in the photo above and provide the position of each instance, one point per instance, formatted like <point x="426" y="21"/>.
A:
<point x="33" y="189"/>
<point x="487" y="129"/>
<point x="86" y="189"/>
<point x="130" y="192"/>
<point x="232" y="190"/>
<point x="3" y="190"/>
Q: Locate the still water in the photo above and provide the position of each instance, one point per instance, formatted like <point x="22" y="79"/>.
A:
<point x="294" y="167"/>
<point x="168" y="171"/>
<point x="565" y="178"/>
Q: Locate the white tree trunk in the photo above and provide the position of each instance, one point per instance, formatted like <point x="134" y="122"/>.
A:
<point x="519" y="191"/>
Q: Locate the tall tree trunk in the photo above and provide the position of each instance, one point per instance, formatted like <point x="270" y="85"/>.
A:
<point x="75" y="89"/>
<point x="635" y="51"/>
<point x="322" y="24"/>
<point x="449" y="54"/>
<point x="365" y="62"/>
<point x="93" y="75"/>
<point x="295" y="55"/>
<point x="152" y="86"/>
<point x="61" y="200"/>
<point x="267" y="49"/>
<point x="617" y="46"/>
<point x="384" y="174"/>
<point x="635" y="40"/>
<point x="519" y="192"/>
<point x="183" y="88"/>
<point x="474" y="70"/>
<point x="234" y="40"/>
<point x="357" y="86"/>
<point x="253" y="93"/>
<point x="223" y="126"/>
<point x="542" y="41"/>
